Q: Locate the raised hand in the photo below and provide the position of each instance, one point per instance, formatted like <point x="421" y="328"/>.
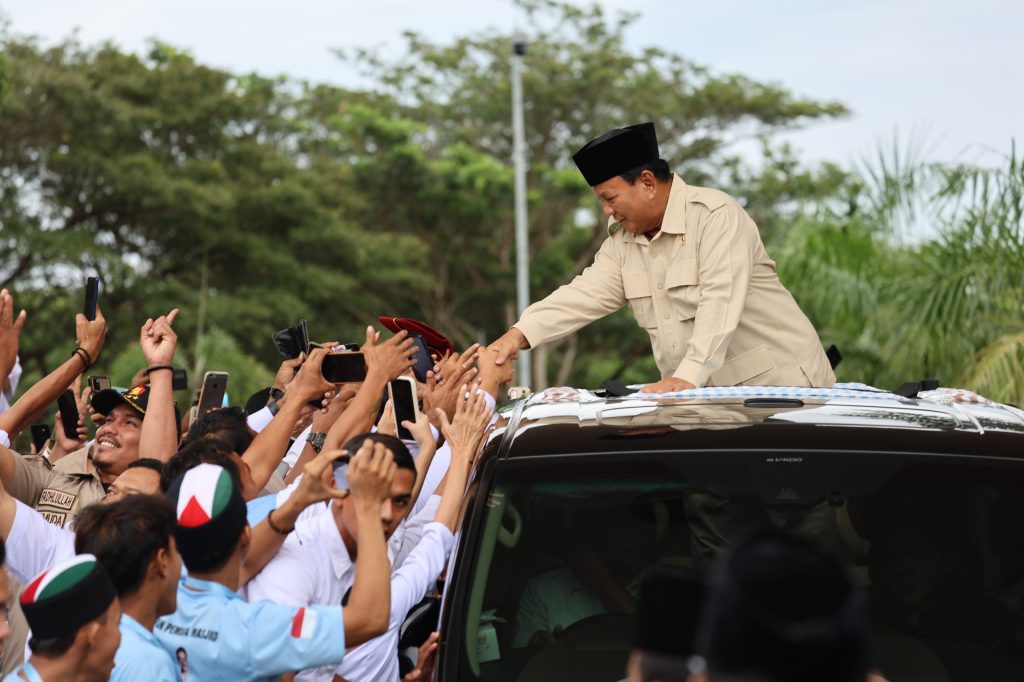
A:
<point x="472" y="416"/>
<point x="10" y="331"/>
<point x="91" y="334"/>
<point x="309" y="382"/>
<point x="389" y="359"/>
<point x="370" y="473"/>
<point x="158" y="340"/>
<point x="508" y="346"/>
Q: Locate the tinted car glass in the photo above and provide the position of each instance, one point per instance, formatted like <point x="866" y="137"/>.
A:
<point x="559" y="546"/>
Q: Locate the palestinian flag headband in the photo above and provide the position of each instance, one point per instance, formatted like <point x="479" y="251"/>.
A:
<point x="210" y="510"/>
<point x="66" y="596"/>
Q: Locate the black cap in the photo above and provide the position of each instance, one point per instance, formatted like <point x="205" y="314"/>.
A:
<point x="781" y="608"/>
<point x="616" y="152"/>
<point x="136" y="398"/>
<point x="667" y="614"/>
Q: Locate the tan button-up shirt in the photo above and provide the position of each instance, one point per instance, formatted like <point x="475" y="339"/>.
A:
<point x="705" y="291"/>
<point x="57" y="491"/>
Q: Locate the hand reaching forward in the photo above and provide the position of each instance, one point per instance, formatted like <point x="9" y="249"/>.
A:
<point x="158" y="340"/>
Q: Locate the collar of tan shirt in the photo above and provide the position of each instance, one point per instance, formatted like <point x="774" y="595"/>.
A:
<point x="674" y="220"/>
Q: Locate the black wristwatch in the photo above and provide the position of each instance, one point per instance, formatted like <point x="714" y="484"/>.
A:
<point x="317" y="439"/>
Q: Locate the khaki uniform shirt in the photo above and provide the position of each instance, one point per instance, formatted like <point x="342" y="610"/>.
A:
<point x="57" y="491"/>
<point x="705" y="291"/>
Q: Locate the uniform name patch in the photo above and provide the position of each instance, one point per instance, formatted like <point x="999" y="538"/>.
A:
<point x="56" y="518"/>
<point x="57" y="498"/>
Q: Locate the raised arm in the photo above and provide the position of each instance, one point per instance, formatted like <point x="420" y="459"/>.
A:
<point x="159" y="437"/>
<point x="266" y="450"/>
<point x="384" y="362"/>
<point x="464" y="435"/>
<point x="266" y="538"/>
<point x="367" y="613"/>
<point x="90" y="336"/>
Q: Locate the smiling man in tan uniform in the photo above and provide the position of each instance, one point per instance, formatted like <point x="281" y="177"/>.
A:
<point x="690" y="263"/>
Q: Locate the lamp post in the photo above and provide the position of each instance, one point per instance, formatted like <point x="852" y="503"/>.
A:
<point x="519" y="161"/>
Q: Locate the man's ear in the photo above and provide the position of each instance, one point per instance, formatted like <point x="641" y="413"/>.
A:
<point x="649" y="182"/>
<point x="89" y="634"/>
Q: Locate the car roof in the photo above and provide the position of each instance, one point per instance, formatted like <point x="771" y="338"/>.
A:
<point x="851" y="417"/>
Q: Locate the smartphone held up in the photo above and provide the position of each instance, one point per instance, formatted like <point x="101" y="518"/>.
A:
<point x="405" y="402"/>
<point x="343" y="368"/>
<point x="92" y="298"/>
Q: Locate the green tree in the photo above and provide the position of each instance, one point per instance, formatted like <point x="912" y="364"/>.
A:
<point x="447" y="178"/>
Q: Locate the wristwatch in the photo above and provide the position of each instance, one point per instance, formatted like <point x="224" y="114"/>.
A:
<point x="316" y="439"/>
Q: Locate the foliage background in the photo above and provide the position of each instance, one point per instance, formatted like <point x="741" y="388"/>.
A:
<point x="251" y="201"/>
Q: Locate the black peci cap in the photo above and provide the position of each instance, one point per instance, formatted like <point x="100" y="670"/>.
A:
<point x="616" y="152"/>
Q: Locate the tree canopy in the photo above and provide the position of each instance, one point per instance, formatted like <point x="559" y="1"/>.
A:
<point x="251" y="201"/>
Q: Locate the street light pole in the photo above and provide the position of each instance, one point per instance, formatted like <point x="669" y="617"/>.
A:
<point x="519" y="160"/>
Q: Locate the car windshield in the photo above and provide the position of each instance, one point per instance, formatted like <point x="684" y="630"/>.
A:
<point x="564" y="543"/>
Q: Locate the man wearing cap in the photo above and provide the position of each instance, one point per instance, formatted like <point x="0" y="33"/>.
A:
<point x="74" y="613"/>
<point x="690" y="263"/>
<point x="227" y="638"/>
<point x="141" y="415"/>
<point x="132" y="539"/>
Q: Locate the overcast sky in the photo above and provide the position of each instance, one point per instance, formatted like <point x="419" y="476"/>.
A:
<point x="947" y="72"/>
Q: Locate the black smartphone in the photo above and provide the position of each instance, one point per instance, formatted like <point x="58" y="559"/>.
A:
<point x="302" y="328"/>
<point x="340" y="368"/>
<point x="68" y="413"/>
<point x="179" y="380"/>
<point x="424" y="363"/>
<point x="98" y="384"/>
<point x="40" y="435"/>
<point x="92" y="297"/>
<point x="403" y="398"/>
<point x="211" y="395"/>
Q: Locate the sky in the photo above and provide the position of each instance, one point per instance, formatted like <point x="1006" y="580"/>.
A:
<point x="942" y="77"/>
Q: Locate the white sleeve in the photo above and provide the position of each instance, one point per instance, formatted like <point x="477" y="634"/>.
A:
<point x="258" y="420"/>
<point x="34" y="544"/>
<point x="411" y="582"/>
<point x="295" y="449"/>
<point x="5" y="440"/>
<point x="12" y="380"/>
<point x="412" y="531"/>
<point x="286" y="579"/>
<point x="438" y="468"/>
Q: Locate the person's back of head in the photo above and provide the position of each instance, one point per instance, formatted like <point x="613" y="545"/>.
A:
<point x="127" y="536"/>
<point x="207" y="450"/>
<point x="210" y="517"/>
<point x="227" y="424"/>
<point x="783" y="610"/>
<point x="666" y="620"/>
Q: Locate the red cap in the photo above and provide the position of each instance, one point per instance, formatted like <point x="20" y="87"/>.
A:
<point x="435" y="340"/>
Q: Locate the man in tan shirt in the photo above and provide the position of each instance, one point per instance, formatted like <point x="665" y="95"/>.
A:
<point x="690" y="263"/>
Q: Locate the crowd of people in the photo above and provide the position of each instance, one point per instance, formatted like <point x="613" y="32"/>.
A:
<point x="290" y="539"/>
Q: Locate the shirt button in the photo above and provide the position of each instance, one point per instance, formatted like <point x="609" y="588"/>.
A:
<point x="661" y="285"/>
<point x="666" y="316"/>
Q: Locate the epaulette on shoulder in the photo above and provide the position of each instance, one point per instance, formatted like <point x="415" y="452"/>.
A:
<point x="712" y="198"/>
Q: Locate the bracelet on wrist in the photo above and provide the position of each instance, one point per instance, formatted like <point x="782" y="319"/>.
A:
<point x="273" y="527"/>
<point x="156" y="368"/>
<point x="83" y="355"/>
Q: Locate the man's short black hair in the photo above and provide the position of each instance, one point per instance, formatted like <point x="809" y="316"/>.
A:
<point x="125" y="536"/>
<point x="228" y="424"/>
<point x="659" y="167"/>
<point x="403" y="458"/>
<point x="52" y="647"/>
<point x="147" y="463"/>
<point x="201" y="451"/>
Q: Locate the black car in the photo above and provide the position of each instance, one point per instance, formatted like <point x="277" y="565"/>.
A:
<point x="577" y="497"/>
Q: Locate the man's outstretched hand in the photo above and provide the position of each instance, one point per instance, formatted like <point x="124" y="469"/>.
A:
<point x="668" y="385"/>
<point x="509" y="345"/>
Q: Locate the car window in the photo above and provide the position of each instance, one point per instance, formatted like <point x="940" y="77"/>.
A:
<point x="563" y="545"/>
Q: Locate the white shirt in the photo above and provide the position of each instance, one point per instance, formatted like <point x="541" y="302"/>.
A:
<point x="257" y="421"/>
<point x="312" y="567"/>
<point x="5" y="396"/>
<point x="377" y="659"/>
<point x="34" y="544"/>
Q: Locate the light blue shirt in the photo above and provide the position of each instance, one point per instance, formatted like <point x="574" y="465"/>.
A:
<point x="227" y="638"/>
<point x="141" y="656"/>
